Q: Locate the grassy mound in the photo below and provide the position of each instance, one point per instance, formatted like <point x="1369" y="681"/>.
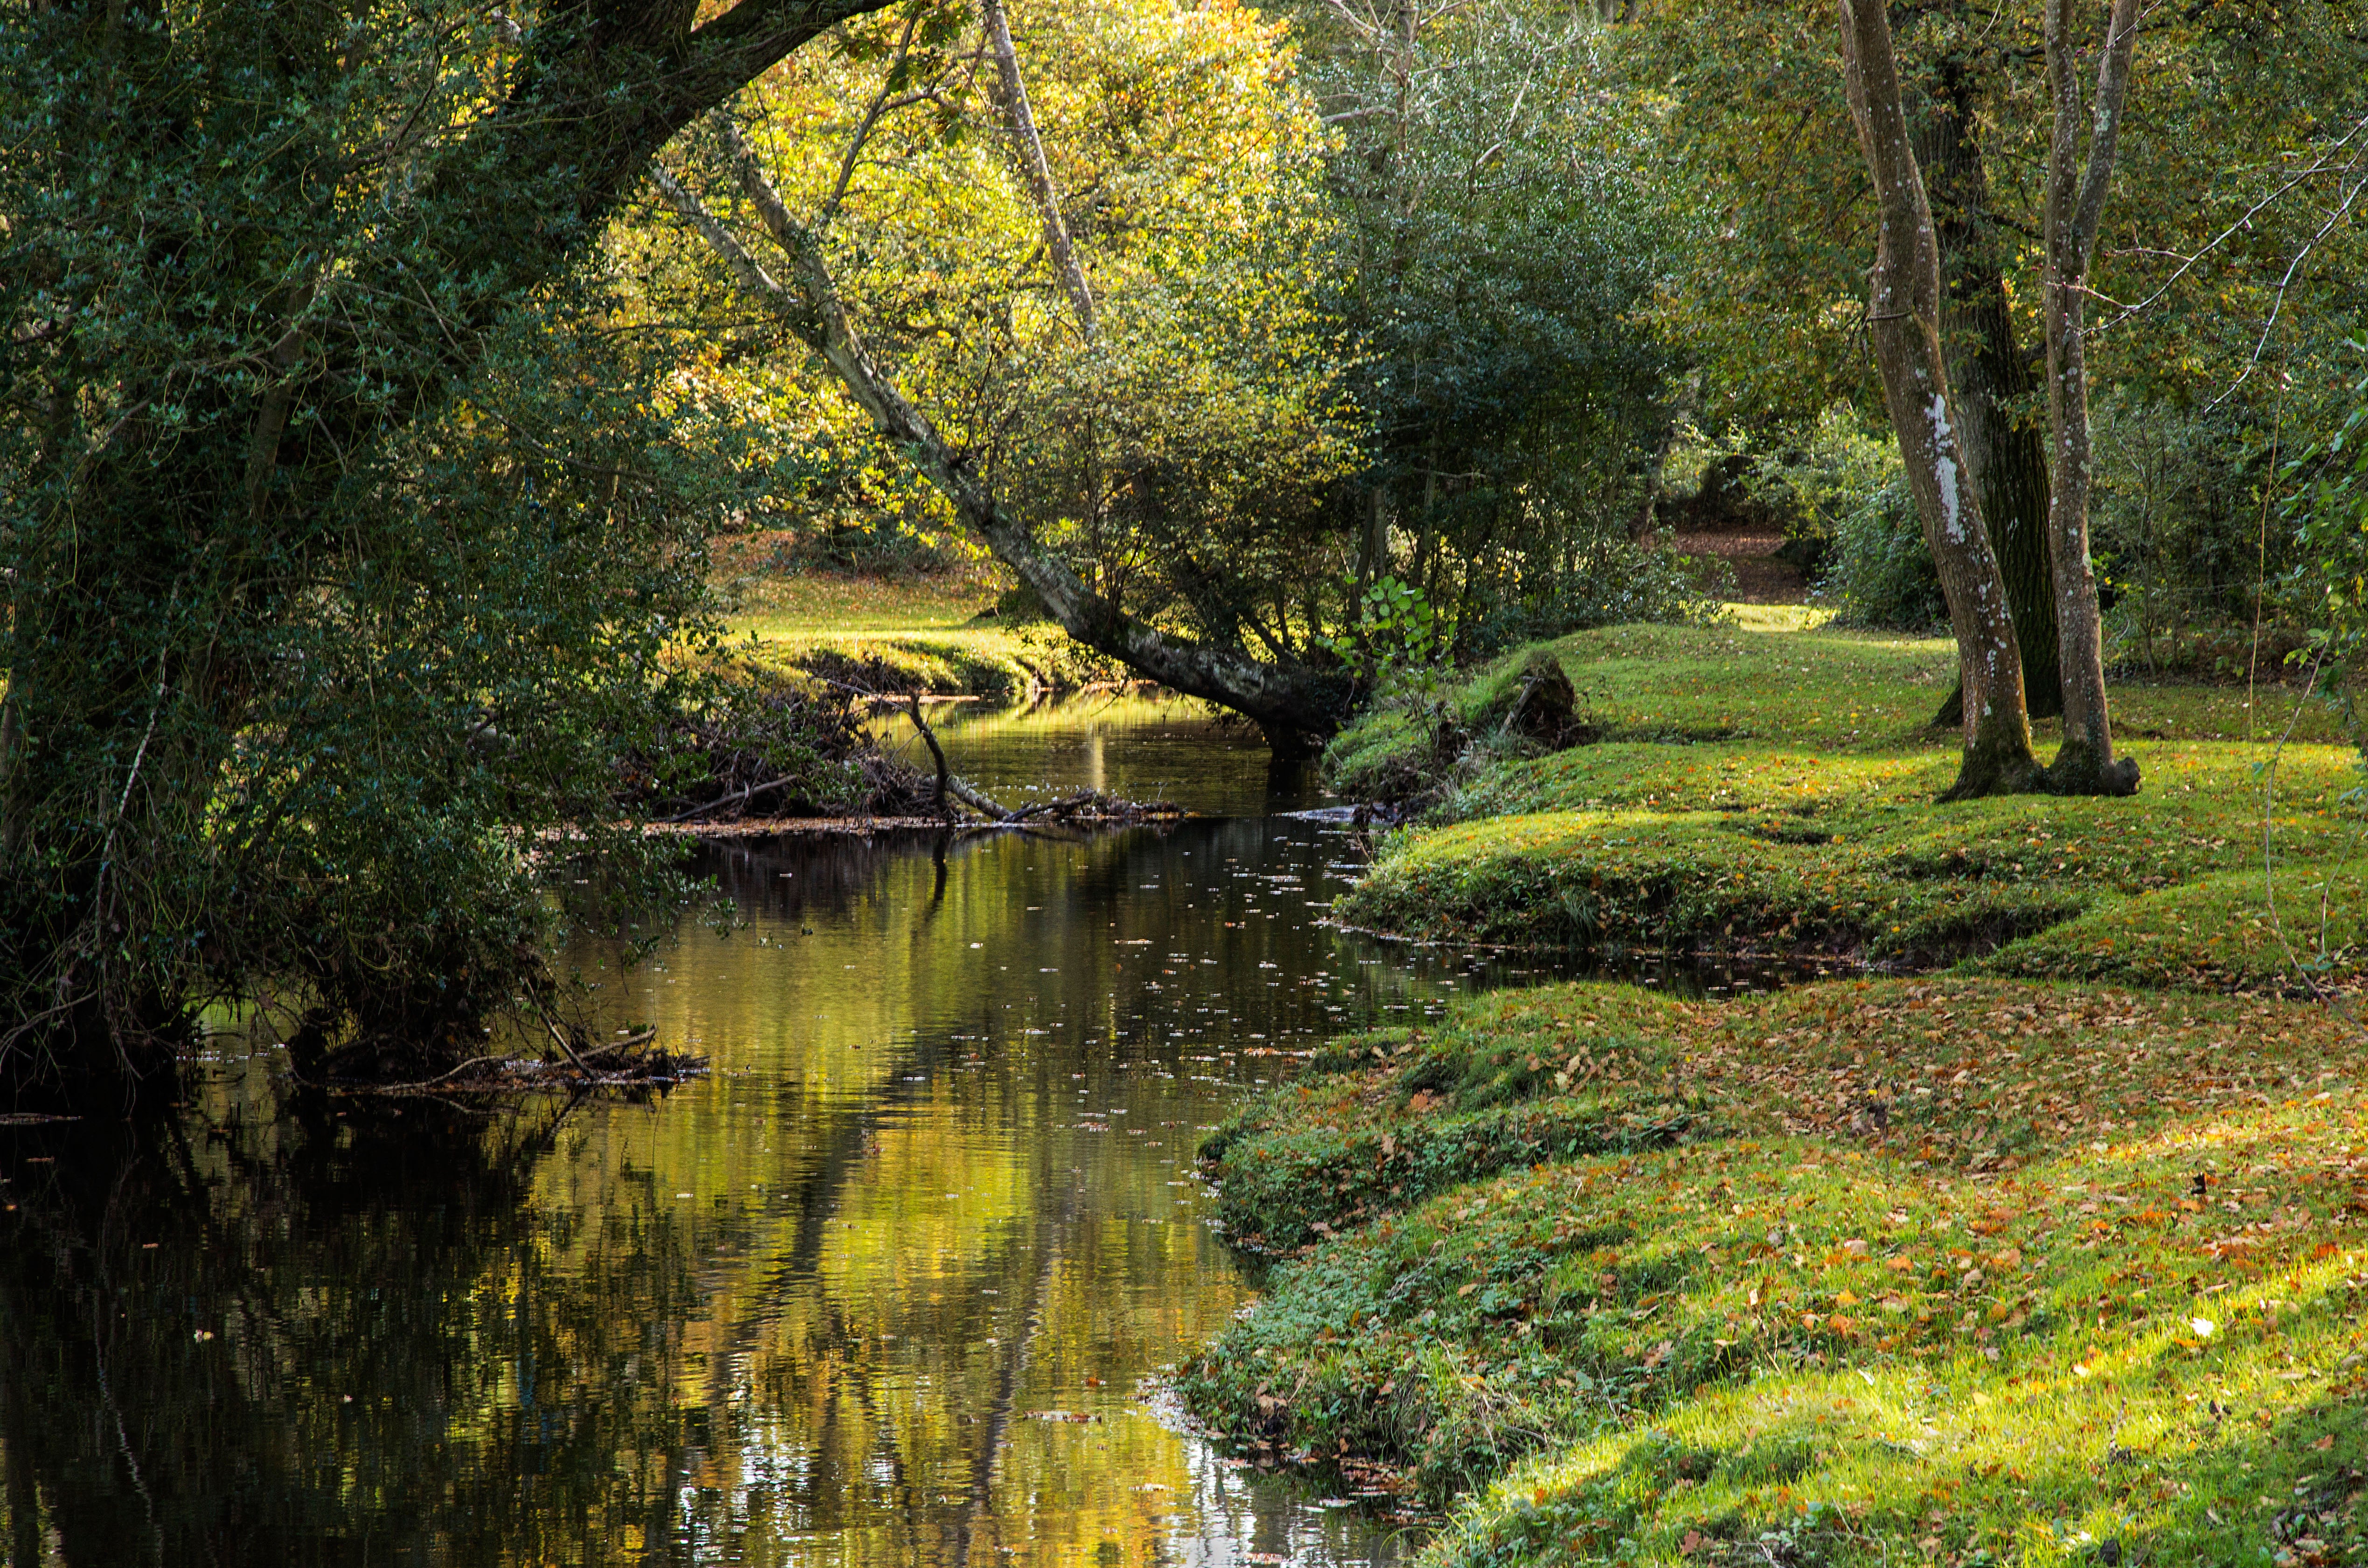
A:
<point x="1966" y="1271"/>
<point x="1773" y="791"/>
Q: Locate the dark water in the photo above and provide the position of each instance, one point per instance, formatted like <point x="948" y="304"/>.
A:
<point x="885" y="1287"/>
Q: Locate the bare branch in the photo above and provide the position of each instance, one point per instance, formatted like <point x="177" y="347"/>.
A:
<point x="872" y="116"/>
<point x="2324" y="164"/>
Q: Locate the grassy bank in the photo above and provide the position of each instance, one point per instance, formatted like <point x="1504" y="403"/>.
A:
<point x="916" y="634"/>
<point x="1881" y="1272"/>
<point x="1767" y="790"/>
<point x="2052" y="1256"/>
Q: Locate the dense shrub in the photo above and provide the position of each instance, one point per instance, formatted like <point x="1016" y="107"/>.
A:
<point x="2181" y="537"/>
<point x="1878" y="573"/>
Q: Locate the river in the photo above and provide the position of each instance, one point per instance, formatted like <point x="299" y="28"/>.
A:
<point x="892" y="1284"/>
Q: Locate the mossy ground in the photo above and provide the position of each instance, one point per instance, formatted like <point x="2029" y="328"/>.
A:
<point x="2052" y="1257"/>
<point x="1881" y="1271"/>
<point x="1773" y="790"/>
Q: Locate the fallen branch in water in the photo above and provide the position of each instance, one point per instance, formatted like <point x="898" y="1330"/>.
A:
<point x="605" y="1066"/>
<point x="736" y="797"/>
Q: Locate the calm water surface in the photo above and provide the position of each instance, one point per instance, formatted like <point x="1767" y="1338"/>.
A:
<point x="887" y="1288"/>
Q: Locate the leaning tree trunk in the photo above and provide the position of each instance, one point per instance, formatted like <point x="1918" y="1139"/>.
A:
<point x="1293" y="704"/>
<point x="1988" y="373"/>
<point x="2075" y="205"/>
<point x="1028" y="147"/>
<point x="1903" y="319"/>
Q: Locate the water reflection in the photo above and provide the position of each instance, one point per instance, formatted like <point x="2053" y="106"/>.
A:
<point x="883" y="1289"/>
<point x="1140" y="744"/>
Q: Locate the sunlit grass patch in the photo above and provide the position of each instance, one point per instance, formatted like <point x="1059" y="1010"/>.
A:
<point x="1780" y="850"/>
<point x="917" y="634"/>
<point x="1932" y="1278"/>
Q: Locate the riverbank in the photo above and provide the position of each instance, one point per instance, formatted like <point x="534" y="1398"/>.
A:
<point x="1959" y="1271"/>
<point x="1766" y="788"/>
<point x="931" y="635"/>
<point x="2051" y="1259"/>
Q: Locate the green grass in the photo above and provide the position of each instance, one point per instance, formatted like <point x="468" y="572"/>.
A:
<point x="1773" y="791"/>
<point x="917" y="634"/>
<point x="1869" y="1271"/>
<point x="1918" y="1272"/>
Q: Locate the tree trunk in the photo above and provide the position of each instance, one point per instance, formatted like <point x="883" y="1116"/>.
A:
<point x="2075" y="205"/>
<point x="1296" y="706"/>
<point x="119" y="711"/>
<point x="1988" y="371"/>
<point x="1903" y="319"/>
<point x="1029" y="149"/>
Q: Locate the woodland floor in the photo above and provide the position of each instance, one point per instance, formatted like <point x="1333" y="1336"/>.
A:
<point x="1759" y="578"/>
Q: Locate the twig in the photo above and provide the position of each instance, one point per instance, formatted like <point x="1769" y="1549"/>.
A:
<point x="718" y="804"/>
<point x="880" y="106"/>
<point x="422" y="1084"/>
<point x="2268" y="800"/>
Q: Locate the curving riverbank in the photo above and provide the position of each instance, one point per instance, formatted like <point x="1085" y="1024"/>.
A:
<point x="1770" y="792"/>
<point x="1963" y="1271"/>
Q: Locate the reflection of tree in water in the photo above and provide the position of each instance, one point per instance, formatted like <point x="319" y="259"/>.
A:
<point x="342" y="1346"/>
<point x="404" y="1359"/>
<point x="553" y="1355"/>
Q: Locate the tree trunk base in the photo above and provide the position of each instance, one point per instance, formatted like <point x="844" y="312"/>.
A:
<point x="2002" y="772"/>
<point x="2078" y="771"/>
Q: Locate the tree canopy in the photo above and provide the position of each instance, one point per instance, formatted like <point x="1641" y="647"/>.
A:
<point x="378" y="375"/>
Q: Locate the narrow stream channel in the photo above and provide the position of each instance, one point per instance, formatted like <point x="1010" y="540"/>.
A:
<point x="890" y="1285"/>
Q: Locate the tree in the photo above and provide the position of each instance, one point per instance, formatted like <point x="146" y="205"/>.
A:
<point x="2076" y="204"/>
<point x="1991" y="377"/>
<point x="1503" y="226"/>
<point x="1114" y="378"/>
<point x="247" y="248"/>
<point x="1903" y="321"/>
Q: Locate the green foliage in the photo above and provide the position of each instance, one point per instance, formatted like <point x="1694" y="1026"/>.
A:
<point x="1501" y="224"/>
<point x="1879" y="573"/>
<point x="2180" y="532"/>
<point x="1843" y="497"/>
<point x="1176" y="454"/>
<point x="342" y="569"/>
<point x="2328" y="511"/>
<point x="1394" y="630"/>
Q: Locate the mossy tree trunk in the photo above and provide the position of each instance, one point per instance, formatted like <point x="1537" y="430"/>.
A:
<point x="1903" y="320"/>
<point x="1988" y="372"/>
